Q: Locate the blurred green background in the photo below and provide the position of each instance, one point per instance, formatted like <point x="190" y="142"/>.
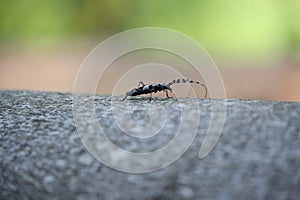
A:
<point x="240" y="34"/>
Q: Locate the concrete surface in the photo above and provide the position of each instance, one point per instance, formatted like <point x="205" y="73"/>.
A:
<point x="42" y="157"/>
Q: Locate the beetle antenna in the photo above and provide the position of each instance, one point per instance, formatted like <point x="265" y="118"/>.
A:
<point x="191" y="82"/>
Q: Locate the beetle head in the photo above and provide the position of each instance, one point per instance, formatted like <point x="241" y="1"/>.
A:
<point x="132" y="92"/>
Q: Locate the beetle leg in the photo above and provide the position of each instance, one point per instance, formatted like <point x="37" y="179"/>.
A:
<point x="124" y="98"/>
<point x="150" y="97"/>
<point x="141" y="83"/>
<point x="167" y="94"/>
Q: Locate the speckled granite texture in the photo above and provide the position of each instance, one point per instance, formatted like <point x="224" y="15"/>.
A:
<point x="41" y="156"/>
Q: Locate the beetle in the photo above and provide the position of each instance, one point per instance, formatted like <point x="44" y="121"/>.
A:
<point x="157" y="87"/>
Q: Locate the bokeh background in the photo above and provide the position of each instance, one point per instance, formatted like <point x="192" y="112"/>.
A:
<point x="256" y="43"/>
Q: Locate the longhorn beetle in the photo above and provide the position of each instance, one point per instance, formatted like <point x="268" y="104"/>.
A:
<point x="154" y="88"/>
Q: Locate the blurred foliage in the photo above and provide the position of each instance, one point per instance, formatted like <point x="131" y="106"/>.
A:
<point x="248" y="28"/>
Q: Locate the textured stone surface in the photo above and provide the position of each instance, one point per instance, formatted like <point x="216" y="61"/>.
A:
<point x="256" y="157"/>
